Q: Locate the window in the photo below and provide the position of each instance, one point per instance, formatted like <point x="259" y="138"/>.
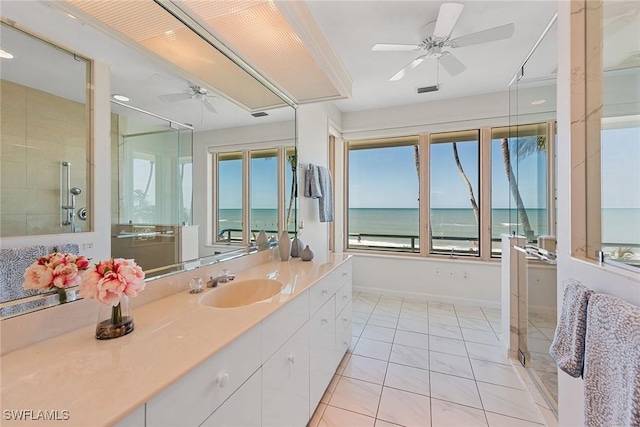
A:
<point x="468" y="199"/>
<point x="454" y="176"/>
<point x="254" y="187"/>
<point x="264" y="192"/>
<point x="383" y="210"/>
<point x="519" y="195"/>
<point x="144" y="189"/>
<point x="229" y="192"/>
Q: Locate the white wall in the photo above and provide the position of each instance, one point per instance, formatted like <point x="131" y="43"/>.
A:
<point x="95" y="244"/>
<point x="600" y="278"/>
<point x="313" y="122"/>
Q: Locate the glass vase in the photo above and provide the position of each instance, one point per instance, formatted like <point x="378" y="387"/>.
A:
<point x="114" y="321"/>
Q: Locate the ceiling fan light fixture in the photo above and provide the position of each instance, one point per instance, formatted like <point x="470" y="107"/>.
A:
<point x="120" y="97"/>
<point x="6" y="55"/>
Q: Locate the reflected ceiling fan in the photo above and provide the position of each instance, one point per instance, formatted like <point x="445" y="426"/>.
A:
<point x="192" y="92"/>
<point x="434" y="44"/>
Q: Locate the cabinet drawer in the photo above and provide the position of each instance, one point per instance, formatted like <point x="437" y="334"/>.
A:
<point x="279" y="326"/>
<point x="285" y="383"/>
<point x="343" y="320"/>
<point x="343" y="297"/>
<point x="321" y="291"/>
<point x="343" y="273"/>
<point x="243" y="408"/>
<point x="194" y="397"/>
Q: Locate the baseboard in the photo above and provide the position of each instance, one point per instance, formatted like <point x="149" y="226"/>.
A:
<point x="427" y="297"/>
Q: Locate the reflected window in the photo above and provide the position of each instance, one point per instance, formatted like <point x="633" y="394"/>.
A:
<point x="264" y="193"/>
<point x="229" y="194"/>
<point x="143" y="196"/>
<point x="454" y="199"/>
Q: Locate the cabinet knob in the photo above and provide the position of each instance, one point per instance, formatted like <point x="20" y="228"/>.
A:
<point x="345" y="342"/>
<point x="345" y="319"/>
<point x="291" y="359"/>
<point x="325" y="320"/>
<point x="325" y="291"/>
<point x="222" y="380"/>
<point x="345" y="296"/>
<point x="344" y="274"/>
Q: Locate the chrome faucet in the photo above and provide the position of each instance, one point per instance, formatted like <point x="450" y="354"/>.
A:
<point x="225" y="277"/>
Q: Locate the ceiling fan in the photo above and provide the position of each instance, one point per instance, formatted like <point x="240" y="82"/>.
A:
<point x="192" y="92"/>
<point x="434" y="44"/>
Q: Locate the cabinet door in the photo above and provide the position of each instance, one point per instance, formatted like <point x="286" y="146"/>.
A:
<point x="191" y="399"/>
<point x="242" y="409"/>
<point x="285" y="383"/>
<point x="323" y="351"/>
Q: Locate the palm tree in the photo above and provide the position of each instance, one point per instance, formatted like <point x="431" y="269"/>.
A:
<point x="472" y="197"/>
<point x="526" y="147"/>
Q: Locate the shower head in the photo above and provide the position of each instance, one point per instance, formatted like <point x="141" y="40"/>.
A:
<point x="75" y="191"/>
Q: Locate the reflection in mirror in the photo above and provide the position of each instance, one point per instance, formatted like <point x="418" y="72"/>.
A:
<point x="152" y="206"/>
<point x="613" y="134"/>
<point x="45" y="137"/>
<point x="164" y="207"/>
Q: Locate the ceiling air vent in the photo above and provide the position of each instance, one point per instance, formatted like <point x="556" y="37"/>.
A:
<point x="259" y="114"/>
<point x="428" y="89"/>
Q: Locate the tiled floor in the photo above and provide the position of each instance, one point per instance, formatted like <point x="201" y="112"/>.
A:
<point x="413" y="363"/>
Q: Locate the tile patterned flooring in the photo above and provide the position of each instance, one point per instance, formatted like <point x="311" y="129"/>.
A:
<point x="417" y="363"/>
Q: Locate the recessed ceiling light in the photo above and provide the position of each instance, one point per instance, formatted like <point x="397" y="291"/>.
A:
<point x="6" y="55"/>
<point x="538" y="101"/>
<point x="119" y="97"/>
<point x="71" y="16"/>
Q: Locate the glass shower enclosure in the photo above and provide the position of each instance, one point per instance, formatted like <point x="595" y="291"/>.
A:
<point x="530" y="151"/>
<point x="152" y="164"/>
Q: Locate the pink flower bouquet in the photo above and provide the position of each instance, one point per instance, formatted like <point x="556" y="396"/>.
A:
<point x="108" y="280"/>
<point x="55" y="270"/>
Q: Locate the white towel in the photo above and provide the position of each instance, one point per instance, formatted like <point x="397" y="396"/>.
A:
<point x="567" y="348"/>
<point x="318" y="185"/>
<point x="312" y="182"/>
<point x="325" y="202"/>
<point x="612" y="363"/>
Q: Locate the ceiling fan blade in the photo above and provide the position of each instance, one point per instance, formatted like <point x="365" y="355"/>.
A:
<point x="451" y="64"/>
<point x="174" y="97"/>
<point x="492" y="34"/>
<point x="208" y="105"/>
<point x="447" y="18"/>
<point x="413" y="64"/>
<point x="386" y="47"/>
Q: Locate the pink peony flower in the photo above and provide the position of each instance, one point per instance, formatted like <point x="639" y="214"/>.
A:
<point x="108" y="280"/>
<point x="37" y="276"/>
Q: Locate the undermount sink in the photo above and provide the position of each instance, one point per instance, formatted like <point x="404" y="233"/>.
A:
<point x="242" y="293"/>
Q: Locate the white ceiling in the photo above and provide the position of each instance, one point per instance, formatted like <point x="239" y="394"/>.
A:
<point x="351" y="27"/>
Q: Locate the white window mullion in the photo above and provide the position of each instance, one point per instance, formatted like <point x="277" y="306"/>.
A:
<point x="425" y="227"/>
<point x="246" y="197"/>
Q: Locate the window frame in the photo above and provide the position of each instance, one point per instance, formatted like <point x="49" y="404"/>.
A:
<point x="483" y="196"/>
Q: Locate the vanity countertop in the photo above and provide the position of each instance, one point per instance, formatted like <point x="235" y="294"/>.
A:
<point x="101" y="382"/>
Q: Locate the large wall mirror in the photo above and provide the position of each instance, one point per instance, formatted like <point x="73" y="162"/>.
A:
<point x="182" y="106"/>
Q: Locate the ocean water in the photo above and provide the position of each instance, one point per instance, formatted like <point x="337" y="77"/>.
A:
<point x="619" y="226"/>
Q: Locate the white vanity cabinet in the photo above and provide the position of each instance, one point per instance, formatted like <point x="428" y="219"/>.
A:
<point x="242" y="409"/>
<point x="274" y="375"/>
<point x="323" y="350"/>
<point x="198" y="394"/>
<point x="285" y="383"/>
